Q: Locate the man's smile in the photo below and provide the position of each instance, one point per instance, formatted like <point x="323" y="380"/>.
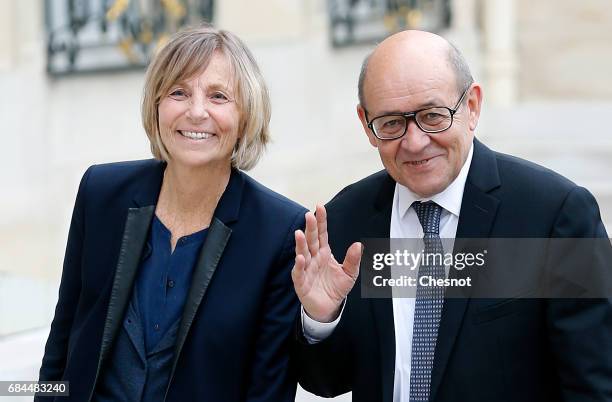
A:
<point x="421" y="162"/>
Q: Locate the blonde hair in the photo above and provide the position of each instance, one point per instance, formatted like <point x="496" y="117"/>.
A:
<point x="189" y="52"/>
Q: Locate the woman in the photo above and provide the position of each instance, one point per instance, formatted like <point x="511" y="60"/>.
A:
<point x="176" y="282"/>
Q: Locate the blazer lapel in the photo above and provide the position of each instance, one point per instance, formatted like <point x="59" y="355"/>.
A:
<point x="133" y="241"/>
<point x="478" y="210"/>
<point x="134" y="238"/>
<point x="227" y="211"/>
<point x="216" y="240"/>
<point x="382" y="309"/>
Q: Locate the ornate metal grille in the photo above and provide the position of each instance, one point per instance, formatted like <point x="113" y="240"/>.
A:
<point x="364" y="21"/>
<point x="106" y="35"/>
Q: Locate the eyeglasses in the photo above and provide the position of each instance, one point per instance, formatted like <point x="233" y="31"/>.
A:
<point x="430" y="120"/>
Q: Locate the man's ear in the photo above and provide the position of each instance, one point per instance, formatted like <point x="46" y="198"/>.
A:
<point x="474" y="102"/>
<point x="362" y="117"/>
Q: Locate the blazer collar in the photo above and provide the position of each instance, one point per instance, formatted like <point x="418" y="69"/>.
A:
<point x="227" y="209"/>
<point x="484" y="173"/>
<point x="149" y="186"/>
<point x="384" y="201"/>
<point x="379" y="227"/>
<point x="134" y="238"/>
<point x="478" y="210"/>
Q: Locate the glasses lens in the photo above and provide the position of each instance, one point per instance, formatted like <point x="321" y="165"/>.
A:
<point x="389" y="126"/>
<point x="434" y="119"/>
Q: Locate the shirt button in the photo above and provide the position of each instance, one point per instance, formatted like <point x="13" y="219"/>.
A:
<point x="156" y="327"/>
<point x="171" y="283"/>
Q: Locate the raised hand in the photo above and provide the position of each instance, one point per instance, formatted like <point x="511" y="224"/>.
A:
<point x="320" y="282"/>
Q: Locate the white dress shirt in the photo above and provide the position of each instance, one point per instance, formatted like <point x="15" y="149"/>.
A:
<point x="405" y="224"/>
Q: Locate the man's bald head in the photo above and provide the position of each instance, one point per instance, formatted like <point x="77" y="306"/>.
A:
<point x="416" y="47"/>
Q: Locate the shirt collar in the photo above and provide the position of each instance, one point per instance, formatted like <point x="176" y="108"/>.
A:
<point x="449" y="199"/>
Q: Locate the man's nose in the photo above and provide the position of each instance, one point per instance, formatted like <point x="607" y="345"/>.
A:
<point x="415" y="139"/>
<point x="198" y="108"/>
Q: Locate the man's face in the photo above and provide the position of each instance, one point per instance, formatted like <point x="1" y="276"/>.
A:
<point x="425" y="163"/>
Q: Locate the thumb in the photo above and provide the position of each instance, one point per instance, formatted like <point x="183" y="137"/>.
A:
<point x="352" y="260"/>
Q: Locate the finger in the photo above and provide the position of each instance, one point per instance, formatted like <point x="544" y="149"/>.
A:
<point x="322" y="225"/>
<point x="301" y="248"/>
<point x="312" y="236"/>
<point x="352" y="259"/>
<point x="297" y="273"/>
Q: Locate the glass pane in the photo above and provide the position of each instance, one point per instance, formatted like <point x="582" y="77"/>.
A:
<point x="389" y="126"/>
<point x="437" y="118"/>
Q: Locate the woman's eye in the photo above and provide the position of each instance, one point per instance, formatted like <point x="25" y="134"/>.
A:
<point x="178" y="94"/>
<point x="219" y="97"/>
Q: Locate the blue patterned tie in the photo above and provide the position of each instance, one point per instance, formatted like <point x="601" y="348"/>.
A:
<point x="428" y="305"/>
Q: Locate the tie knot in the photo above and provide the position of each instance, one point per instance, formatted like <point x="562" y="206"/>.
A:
<point x="429" y="215"/>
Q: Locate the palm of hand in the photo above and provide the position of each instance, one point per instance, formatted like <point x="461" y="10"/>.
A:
<point x="326" y="284"/>
<point x="322" y="283"/>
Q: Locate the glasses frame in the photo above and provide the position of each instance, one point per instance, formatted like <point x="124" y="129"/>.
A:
<point x="412" y="115"/>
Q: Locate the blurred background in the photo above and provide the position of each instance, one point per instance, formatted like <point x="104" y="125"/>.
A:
<point x="72" y="71"/>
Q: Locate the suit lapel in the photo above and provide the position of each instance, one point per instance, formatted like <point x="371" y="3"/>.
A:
<point x="135" y="233"/>
<point x="382" y="309"/>
<point x="216" y="240"/>
<point x="476" y="218"/>
<point x="219" y="232"/>
<point x="134" y="237"/>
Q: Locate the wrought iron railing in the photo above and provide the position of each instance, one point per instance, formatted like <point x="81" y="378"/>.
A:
<point x="104" y="35"/>
<point x="357" y="21"/>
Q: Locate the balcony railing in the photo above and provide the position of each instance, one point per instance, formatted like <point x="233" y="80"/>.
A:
<point x="366" y="21"/>
<point x="105" y="35"/>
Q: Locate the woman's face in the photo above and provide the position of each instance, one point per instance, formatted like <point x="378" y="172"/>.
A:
<point x="199" y="118"/>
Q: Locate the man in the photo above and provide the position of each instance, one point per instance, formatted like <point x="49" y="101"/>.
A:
<point x="420" y="107"/>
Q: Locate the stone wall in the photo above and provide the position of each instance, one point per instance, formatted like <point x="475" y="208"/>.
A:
<point x="565" y="49"/>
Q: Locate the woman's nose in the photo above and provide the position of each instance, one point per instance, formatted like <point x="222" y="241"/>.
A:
<point x="198" y="108"/>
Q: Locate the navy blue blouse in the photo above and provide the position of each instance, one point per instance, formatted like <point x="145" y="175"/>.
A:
<point x="164" y="279"/>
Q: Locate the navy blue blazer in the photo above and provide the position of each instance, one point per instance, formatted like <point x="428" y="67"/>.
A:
<point x="234" y="335"/>
<point x="514" y="349"/>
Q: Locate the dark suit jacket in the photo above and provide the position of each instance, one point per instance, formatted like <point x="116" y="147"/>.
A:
<point x="236" y="327"/>
<point x="487" y="350"/>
